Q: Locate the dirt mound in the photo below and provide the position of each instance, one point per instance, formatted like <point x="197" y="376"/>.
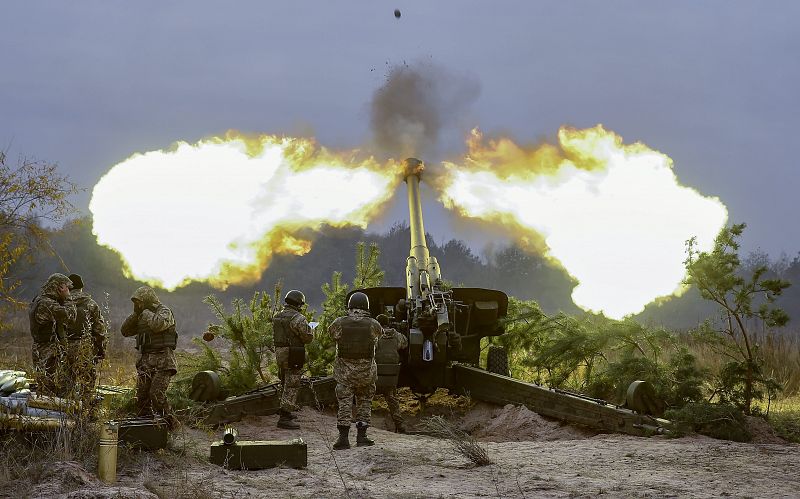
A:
<point x="762" y="432"/>
<point x="61" y="477"/>
<point x="516" y="424"/>
<point x="68" y="479"/>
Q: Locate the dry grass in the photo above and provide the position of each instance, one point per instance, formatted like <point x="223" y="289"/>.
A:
<point x="782" y="360"/>
<point x="784" y="416"/>
<point x="24" y="454"/>
<point x="461" y="443"/>
<point x="780" y="352"/>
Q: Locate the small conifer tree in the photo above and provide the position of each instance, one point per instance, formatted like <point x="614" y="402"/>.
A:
<point x="718" y="276"/>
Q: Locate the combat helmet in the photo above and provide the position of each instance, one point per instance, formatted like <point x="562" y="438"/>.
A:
<point x="358" y="300"/>
<point x="146" y="296"/>
<point x="56" y="280"/>
<point x="295" y="298"/>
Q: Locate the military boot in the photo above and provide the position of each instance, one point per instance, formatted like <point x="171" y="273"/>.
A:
<point x="286" y="422"/>
<point x="343" y="442"/>
<point x="361" y="437"/>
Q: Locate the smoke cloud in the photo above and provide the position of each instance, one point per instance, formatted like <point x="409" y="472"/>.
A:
<point x="415" y="105"/>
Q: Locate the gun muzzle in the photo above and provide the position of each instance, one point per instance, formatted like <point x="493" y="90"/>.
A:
<point x="230" y="435"/>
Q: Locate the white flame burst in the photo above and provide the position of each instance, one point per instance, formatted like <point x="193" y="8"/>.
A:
<point x="614" y="216"/>
<point x="217" y="210"/>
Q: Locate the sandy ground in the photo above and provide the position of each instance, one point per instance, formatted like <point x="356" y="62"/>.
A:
<point x="533" y="457"/>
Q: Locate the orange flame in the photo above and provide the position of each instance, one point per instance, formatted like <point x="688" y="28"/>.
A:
<point x="613" y="215"/>
<point x="217" y="210"/>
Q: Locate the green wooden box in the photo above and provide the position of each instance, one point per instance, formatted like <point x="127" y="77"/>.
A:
<point x="144" y="433"/>
<point x="260" y="454"/>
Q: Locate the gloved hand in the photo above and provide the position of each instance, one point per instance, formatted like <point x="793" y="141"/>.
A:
<point x="146" y="314"/>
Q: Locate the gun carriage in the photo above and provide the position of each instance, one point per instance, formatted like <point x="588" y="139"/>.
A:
<point x="444" y="326"/>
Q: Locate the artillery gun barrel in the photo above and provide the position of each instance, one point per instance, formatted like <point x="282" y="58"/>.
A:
<point x="419" y="247"/>
<point x="422" y="270"/>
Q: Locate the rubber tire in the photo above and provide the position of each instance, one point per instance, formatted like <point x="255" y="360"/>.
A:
<point x="497" y="360"/>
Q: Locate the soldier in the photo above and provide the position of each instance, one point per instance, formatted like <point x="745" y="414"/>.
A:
<point x="354" y="369"/>
<point x="291" y="333"/>
<point x="388" y="360"/>
<point x="156" y="338"/>
<point x="50" y="312"/>
<point x="86" y="337"/>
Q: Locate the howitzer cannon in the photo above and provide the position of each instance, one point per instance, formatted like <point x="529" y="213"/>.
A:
<point x="444" y="327"/>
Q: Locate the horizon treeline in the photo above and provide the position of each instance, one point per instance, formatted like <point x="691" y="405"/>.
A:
<point x="509" y="268"/>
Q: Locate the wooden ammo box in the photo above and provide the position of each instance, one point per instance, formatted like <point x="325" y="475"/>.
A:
<point x="256" y="455"/>
<point x="144" y="433"/>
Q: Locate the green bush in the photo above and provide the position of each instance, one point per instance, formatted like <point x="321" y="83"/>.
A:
<point x="686" y="379"/>
<point x="677" y="382"/>
<point x="599" y="356"/>
<point x="740" y="382"/>
<point x="246" y="331"/>
<point x="723" y="421"/>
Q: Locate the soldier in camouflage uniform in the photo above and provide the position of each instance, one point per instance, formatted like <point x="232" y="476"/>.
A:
<point x="388" y="361"/>
<point x="50" y="313"/>
<point x="153" y="325"/>
<point x="86" y="338"/>
<point x="354" y="369"/>
<point x="290" y="333"/>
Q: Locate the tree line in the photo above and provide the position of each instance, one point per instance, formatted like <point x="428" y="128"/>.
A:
<point x="511" y="269"/>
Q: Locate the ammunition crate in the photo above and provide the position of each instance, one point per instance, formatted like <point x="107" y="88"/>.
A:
<point x="144" y="433"/>
<point x="257" y="455"/>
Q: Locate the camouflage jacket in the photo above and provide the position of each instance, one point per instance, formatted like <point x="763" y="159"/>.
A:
<point x="50" y="317"/>
<point x="94" y="323"/>
<point x="402" y="341"/>
<point x="159" y="320"/>
<point x="300" y="328"/>
<point x="355" y="372"/>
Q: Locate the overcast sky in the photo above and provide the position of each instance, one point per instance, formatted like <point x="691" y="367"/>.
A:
<point x="712" y="84"/>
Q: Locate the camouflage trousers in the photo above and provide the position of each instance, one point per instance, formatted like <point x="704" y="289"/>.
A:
<point x="48" y="369"/>
<point x="153" y="372"/>
<point x="344" y="398"/>
<point x="393" y="402"/>
<point x="291" y="386"/>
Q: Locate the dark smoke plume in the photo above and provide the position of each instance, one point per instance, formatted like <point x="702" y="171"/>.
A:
<point x="410" y="111"/>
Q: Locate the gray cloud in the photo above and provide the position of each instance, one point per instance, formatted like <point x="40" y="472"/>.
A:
<point x="410" y="111"/>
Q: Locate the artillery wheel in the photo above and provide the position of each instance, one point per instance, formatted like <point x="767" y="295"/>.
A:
<point x="497" y="360"/>
<point x="641" y="397"/>
<point x="206" y="386"/>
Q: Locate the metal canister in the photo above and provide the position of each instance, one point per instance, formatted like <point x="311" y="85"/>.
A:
<point x="107" y="455"/>
<point x="230" y="435"/>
